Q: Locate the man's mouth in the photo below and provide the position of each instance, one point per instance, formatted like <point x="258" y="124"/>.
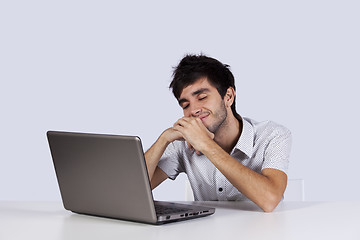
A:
<point x="204" y="116"/>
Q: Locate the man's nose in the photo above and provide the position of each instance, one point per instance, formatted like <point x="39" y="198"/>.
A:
<point x="196" y="111"/>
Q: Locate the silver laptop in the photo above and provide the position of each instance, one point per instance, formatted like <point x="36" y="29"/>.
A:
<point x="106" y="175"/>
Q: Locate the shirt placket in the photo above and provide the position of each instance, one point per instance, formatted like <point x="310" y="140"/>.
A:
<point x="220" y="186"/>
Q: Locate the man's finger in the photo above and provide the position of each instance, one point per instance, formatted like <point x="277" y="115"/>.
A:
<point x="178" y="128"/>
<point x="211" y="135"/>
<point x="190" y="146"/>
<point x="181" y="122"/>
<point x="198" y="153"/>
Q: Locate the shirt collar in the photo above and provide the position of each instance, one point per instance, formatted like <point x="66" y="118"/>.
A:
<point x="246" y="140"/>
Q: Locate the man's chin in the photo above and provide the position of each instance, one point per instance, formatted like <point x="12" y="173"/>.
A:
<point x="210" y="128"/>
<point x="207" y="126"/>
<point x="213" y="128"/>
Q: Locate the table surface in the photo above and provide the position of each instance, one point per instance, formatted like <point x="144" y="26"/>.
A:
<point x="243" y="220"/>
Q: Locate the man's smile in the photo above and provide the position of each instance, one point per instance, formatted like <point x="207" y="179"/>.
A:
<point x="203" y="116"/>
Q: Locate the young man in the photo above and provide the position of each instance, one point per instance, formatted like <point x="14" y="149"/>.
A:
<point x="225" y="156"/>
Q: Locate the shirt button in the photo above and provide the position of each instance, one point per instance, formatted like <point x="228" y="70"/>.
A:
<point x="220" y="189"/>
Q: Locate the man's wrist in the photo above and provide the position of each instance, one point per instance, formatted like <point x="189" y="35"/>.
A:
<point x="209" y="146"/>
<point x="163" y="139"/>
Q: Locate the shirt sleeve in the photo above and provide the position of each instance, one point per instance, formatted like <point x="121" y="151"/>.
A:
<point x="171" y="161"/>
<point x="277" y="153"/>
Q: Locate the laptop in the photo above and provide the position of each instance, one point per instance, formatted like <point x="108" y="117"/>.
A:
<point x="106" y="176"/>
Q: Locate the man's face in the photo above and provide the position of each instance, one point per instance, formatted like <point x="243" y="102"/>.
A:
<point x="203" y="100"/>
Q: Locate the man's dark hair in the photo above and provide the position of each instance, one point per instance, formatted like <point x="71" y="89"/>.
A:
<point x="193" y="67"/>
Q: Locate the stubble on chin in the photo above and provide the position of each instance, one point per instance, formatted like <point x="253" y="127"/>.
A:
<point x="220" y="117"/>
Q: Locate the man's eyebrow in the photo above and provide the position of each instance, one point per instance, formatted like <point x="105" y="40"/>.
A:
<point x="199" y="91"/>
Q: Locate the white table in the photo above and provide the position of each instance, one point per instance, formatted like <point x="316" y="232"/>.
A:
<point x="234" y="220"/>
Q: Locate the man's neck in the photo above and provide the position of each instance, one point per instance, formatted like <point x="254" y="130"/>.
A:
<point x="228" y="135"/>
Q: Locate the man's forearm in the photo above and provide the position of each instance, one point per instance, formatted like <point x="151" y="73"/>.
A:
<point x="265" y="191"/>
<point x="153" y="155"/>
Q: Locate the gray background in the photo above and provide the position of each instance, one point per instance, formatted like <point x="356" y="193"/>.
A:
<point x="105" y="67"/>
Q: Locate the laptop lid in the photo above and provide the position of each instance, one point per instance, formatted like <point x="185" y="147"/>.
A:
<point x="106" y="175"/>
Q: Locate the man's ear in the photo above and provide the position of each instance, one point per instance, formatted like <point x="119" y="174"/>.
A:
<point x="229" y="97"/>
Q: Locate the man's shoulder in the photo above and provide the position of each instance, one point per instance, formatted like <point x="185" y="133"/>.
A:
<point x="268" y="127"/>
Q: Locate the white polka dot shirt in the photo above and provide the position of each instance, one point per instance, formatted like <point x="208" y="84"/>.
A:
<point x="261" y="145"/>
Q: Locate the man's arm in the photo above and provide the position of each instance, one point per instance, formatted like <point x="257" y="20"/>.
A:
<point x="265" y="189"/>
<point x="153" y="155"/>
